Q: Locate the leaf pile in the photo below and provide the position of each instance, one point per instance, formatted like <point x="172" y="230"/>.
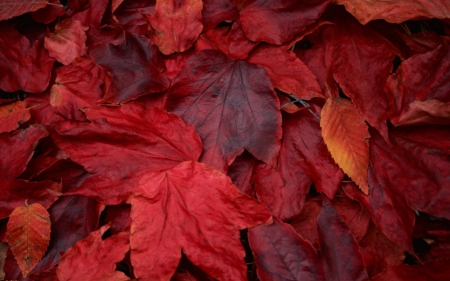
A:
<point x="225" y="139"/>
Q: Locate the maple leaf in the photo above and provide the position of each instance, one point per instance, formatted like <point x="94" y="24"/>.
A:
<point x="345" y="135"/>
<point x="11" y="115"/>
<point x="14" y="8"/>
<point x="230" y="108"/>
<point x="281" y="254"/>
<point x="136" y="68"/>
<point x="195" y="209"/>
<point x="176" y="25"/>
<point x="81" y="262"/>
<point x="67" y="42"/>
<point x="23" y="66"/>
<point x="278" y="21"/>
<point x="120" y="147"/>
<point x="367" y="10"/>
<point x="28" y="234"/>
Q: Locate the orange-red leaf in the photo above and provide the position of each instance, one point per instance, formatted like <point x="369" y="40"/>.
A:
<point x="14" y="8"/>
<point x="176" y="24"/>
<point x="346" y="134"/>
<point x="12" y="114"/>
<point x="28" y="234"/>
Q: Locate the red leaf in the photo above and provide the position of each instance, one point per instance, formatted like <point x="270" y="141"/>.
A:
<point x="67" y="42"/>
<point x="281" y="254"/>
<point x="422" y="97"/>
<point x="23" y="66"/>
<point x="339" y="249"/>
<point x="95" y="259"/>
<point x="232" y="106"/>
<point x="74" y="89"/>
<point x="28" y="233"/>
<point x="14" y="8"/>
<point x="217" y="11"/>
<point x="17" y="150"/>
<point x="350" y="53"/>
<point x="120" y="140"/>
<point x="396" y="11"/>
<point x="194" y="209"/>
<point x="136" y="67"/>
<point x="303" y="160"/>
<point x="306" y="223"/>
<point x="11" y="115"/>
<point x="277" y="21"/>
<point x="287" y="72"/>
<point x="176" y="25"/>
<point x="345" y="134"/>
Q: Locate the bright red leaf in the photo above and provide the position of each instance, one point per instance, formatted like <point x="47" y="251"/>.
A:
<point x="28" y="234"/>
<point x="281" y="254"/>
<point x="23" y="65"/>
<point x="217" y="11"/>
<point x="396" y="11"/>
<point x="232" y="106"/>
<point x="14" y="8"/>
<point x="126" y="147"/>
<point x="136" y="68"/>
<point x="67" y="42"/>
<point x="11" y="115"/>
<point x="95" y="259"/>
<point x="176" y="25"/>
<point x="195" y="209"/>
<point x="278" y="21"/>
<point x="338" y="248"/>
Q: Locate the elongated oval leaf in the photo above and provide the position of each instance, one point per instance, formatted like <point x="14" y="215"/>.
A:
<point x="28" y="233"/>
<point x="346" y="134"/>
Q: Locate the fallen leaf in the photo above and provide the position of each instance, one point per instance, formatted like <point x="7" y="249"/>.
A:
<point x="229" y="108"/>
<point x="195" y="209"/>
<point x="14" y="8"/>
<point x="345" y="135"/>
<point x="28" y="234"/>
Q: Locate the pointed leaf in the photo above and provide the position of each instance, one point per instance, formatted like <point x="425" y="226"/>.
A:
<point x="95" y="259"/>
<point x="11" y="115"/>
<point x="345" y="135"/>
<point x="281" y="254"/>
<point x="67" y="42"/>
<point x="232" y="106"/>
<point x="28" y="234"/>
<point x="176" y="25"/>
<point x="14" y="8"/>
<point x="195" y="209"/>
<point x="136" y="68"/>
<point x="339" y="249"/>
